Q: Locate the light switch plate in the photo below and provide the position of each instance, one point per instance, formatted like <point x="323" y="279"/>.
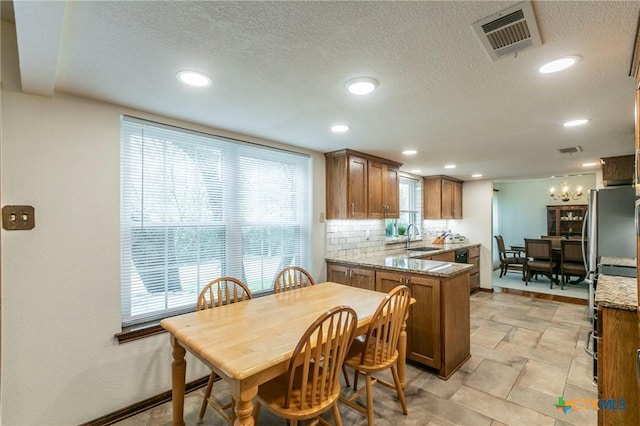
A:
<point x="20" y="218"/>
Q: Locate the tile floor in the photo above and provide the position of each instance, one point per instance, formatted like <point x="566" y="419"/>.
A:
<point x="525" y="354"/>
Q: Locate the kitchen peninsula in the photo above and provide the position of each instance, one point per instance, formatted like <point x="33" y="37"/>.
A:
<point x="438" y="334"/>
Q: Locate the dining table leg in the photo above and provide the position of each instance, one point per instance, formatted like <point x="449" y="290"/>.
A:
<point x="178" y="375"/>
<point x="243" y="394"/>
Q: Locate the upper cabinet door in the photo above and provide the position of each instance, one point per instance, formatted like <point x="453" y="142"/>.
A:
<point x="376" y="177"/>
<point x="457" y="200"/>
<point x="447" y="199"/>
<point x="357" y="188"/>
<point x="384" y="181"/>
<point x="391" y="191"/>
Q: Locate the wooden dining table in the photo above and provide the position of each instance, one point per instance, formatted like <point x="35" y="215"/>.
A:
<point x="251" y="342"/>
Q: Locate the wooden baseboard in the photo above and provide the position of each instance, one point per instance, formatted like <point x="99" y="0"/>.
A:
<point x="545" y="296"/>
<point x="488" y="290"/>
<point x="141" y="406"/>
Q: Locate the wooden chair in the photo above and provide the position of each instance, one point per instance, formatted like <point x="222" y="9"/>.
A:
<point x="219" y="292"/>
<point x="292" y="277"/>
<point x="379" y="350"/>
<point x="540" y="259"/>
<point x="572" y="261"/>
<point x="311" y="384"/>
<point x="509" y="259"/>
<point x="555" y="240"/>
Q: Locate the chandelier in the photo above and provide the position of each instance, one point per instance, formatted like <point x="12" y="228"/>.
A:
<point x="565" y="193"/>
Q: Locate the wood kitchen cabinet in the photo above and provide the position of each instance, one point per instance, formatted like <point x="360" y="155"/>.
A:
<point x="384" y="184"/>
<point x="438" y="327"/>
<point x="618" y="170"/>
<point x="349" y="275"/>
<point x="617" y="379"/>
<point x="361" y="186"/>
<point x="442" y="197"/>
<point x="474" y="275"/>
<point x="449" y="256"/>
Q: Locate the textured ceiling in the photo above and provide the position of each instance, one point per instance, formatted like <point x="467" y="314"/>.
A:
<point x="279" y="69"/>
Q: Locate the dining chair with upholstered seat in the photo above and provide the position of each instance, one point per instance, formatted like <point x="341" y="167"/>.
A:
<point x="509" y="259"/>
<point x="378" y="351"/>
<point x="572" y="261"/>
<point x="539" y="259"/>
<point x="555" y="240"/>
<point x="311" y="384"/>
<point x="219" y="292"/>
<point x="292" y="277"/>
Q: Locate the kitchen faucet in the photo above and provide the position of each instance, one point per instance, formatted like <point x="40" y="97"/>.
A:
<point x="409" y="234"/>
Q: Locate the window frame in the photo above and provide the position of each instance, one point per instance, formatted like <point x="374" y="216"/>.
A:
<point x="415" y="210"/>
<point x="242" y="217"/>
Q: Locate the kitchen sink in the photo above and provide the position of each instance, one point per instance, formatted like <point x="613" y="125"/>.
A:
<point x="423" y="249"/>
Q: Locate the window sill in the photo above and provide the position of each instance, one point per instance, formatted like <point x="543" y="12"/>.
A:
<point x="139" y="331"/>
<point x="151" y="328"/>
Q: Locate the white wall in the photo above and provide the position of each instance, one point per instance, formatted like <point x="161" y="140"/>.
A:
<point x="477" y="223"/>
<point x="61" y="364"/>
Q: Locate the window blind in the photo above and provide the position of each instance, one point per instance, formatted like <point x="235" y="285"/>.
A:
<point x="195" y="207"/>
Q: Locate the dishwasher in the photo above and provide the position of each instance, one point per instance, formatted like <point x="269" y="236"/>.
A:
<point x="462" y="255"/>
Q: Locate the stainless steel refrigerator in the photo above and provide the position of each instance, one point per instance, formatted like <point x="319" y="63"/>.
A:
<point x="611" y="231"/>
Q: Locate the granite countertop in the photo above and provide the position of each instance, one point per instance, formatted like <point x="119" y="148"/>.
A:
<point x="617" y="292"/>
<point x="618" y="261"/>
<point x="407" y="261"/>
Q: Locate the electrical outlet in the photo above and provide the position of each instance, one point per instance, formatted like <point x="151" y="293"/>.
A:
<point x="20" y="218"/>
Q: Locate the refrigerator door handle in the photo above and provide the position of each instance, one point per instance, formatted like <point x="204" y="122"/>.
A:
<point x="587" y="346"/>
<point x="584" y="240"/>
<point x="637" y="220"/>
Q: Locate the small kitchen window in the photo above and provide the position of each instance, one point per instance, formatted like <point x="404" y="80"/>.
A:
<point x="410" y="194"/>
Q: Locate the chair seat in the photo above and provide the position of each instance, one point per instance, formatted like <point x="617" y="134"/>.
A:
<point x="354" y="356"/>
<point x="514" y="260"/>
<point x="273" y="392"/>
<point x="542" y="265"/>
<point x="574" y="268"/>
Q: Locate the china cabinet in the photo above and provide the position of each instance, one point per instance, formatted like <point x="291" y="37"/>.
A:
<point x="566" y="220"/>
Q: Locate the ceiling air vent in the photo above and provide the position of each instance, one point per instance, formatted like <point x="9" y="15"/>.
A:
<point x="509" y="31"/>
<point x="570" y="150"/>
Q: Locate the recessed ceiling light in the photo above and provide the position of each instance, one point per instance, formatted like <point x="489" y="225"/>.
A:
<point x="361" y="85"/>
<point x="558" y="64"/>
<point x="589" y="164"/>
<point x="573" y="123"/>
<point x="194" y="78"/>
<point x="476" y="175"/>
<point x="450" y="166"/>
<point x="410" y="152"/>
<point x="416" y="171"/>
<point x="339" y="128"/>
